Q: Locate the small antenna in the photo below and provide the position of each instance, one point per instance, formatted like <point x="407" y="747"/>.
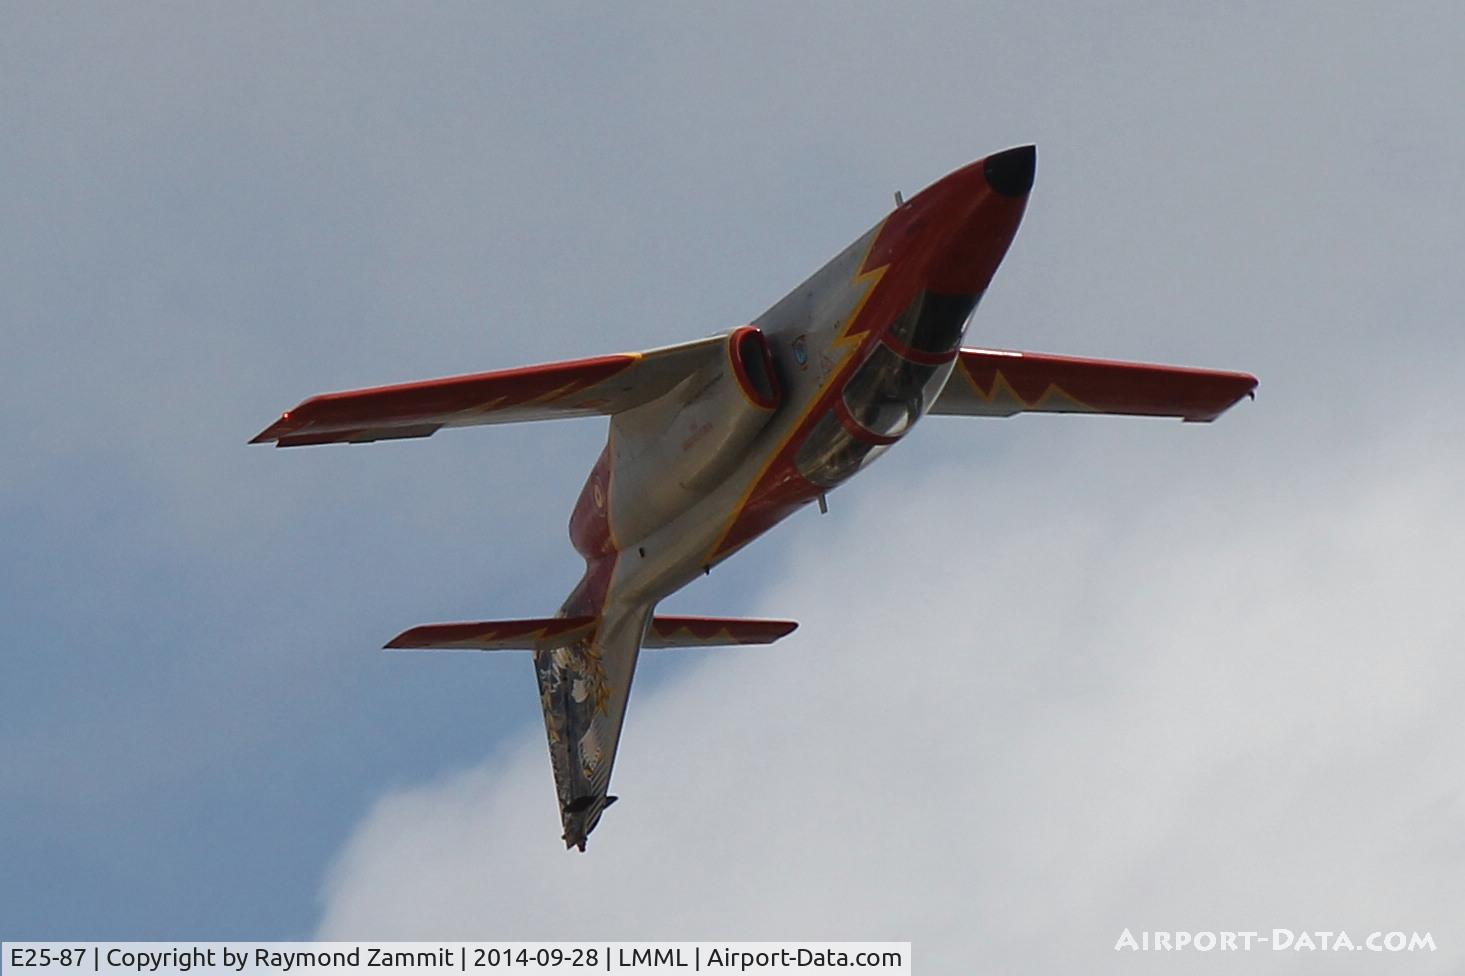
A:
<point x="899" y="200"/>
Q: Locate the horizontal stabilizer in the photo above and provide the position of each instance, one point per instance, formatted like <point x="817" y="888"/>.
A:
<point x="714" y="631"/>
<point x="547" y="632"/>
<point x="495" y="635"/>
<point x="999" y="383"/>
<point x="577" y="388"/>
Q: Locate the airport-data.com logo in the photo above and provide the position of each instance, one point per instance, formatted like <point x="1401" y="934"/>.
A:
<point x="1276" y="940"/>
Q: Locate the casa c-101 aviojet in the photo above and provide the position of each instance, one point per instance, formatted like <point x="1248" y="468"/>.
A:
<point x="713" y="442"/>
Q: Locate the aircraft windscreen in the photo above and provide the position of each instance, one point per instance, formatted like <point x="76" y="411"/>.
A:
<point x="934" y="323"/>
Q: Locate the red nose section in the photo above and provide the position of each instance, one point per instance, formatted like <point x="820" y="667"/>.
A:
<point x="960" y="227"/>
<point x="982" y="205"/>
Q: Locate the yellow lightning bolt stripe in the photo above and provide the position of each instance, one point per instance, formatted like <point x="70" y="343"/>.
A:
<point x="546" y="633"/>
<point x="504" y="400"/>
<point x="545" y="636"/>
<point x="848" y="342"/>
<point x="873" y="276"/>
<point x="1000" y="384"/>
<point x="846" y="339"/>
<point x="1055" y="392"/>
<point x="574" y="384"/>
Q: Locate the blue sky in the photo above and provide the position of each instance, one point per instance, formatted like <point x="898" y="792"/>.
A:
<point x="210" y="212"/>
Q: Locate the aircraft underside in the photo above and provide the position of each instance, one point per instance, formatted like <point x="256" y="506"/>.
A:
<point x="715" y="441"/>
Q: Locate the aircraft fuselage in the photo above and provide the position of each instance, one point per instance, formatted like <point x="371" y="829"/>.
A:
<point x="860" y="350"/>
<point x="713" y="442"/>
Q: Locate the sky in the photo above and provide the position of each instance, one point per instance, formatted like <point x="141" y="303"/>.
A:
<point x="1055" y="676"/>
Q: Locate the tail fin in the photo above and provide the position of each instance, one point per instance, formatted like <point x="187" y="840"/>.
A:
<point x="549" y="632"/>
<point x="584" y="667"/>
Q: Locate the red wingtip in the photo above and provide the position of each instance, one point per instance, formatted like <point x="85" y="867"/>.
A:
<point x="274" y="431"/>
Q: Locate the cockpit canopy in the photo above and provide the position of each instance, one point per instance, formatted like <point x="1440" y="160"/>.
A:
<point x="897" y="382"/>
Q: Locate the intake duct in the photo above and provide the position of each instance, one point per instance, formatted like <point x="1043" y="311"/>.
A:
<point x="752" y="364"/>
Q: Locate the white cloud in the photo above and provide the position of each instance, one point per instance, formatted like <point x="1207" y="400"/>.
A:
<point x="1015" y="735"/>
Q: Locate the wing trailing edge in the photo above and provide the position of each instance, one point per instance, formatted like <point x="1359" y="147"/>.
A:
<point x="550" y="632"/>
<point x="1000" y="383"/>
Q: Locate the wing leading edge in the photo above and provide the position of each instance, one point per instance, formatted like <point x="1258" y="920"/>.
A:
<point x="577" y="388"/>
<point x="1000" y="383"/>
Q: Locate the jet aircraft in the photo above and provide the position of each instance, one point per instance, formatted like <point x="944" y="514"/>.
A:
<point x="713" y="442"/>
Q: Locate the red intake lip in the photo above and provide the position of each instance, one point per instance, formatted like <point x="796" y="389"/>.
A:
<point x="747" y="342"/>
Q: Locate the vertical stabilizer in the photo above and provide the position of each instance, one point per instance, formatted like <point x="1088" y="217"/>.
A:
<point x="583" y="688"/>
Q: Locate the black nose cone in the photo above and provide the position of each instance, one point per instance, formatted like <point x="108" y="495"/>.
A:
<point x="1010" y="173"/>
